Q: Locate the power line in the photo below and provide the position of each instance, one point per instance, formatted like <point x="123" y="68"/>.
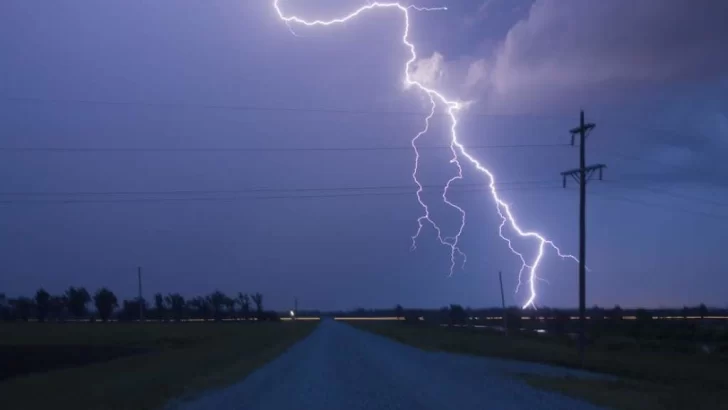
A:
<point x="238" y="198"/>
<point x="251" y="107"/>
<point x="337" y="195"/>
<point x="267" y="190"/>
<point x="660" y="206"/>
<point x="653" y="161"/>
<point x="682" y="196"/>
<point x="261" y="149"/>
<point x="666" y="177"/>
<point x="263" y="190"/>
<point x="631" y="125"/>
<point x="666" y="131"/>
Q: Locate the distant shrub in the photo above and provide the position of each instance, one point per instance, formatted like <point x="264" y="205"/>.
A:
<point x="269" y="316"/>
<point x="560" y="323"/>
<point x="643" y="316"/>
<point x="457" y="315"/>
<point x="514" y="318"/>
<point x="411" y="317"/>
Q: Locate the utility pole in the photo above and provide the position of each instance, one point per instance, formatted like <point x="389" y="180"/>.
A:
<point x="295" y="308"/>
<point x="141" y="301"/>
<point x="582" y="175"/>
<point x="503" y="303"/>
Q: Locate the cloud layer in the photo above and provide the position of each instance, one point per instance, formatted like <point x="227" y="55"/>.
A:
<point x="563" y="45"/>
<point x="568" y="43"/>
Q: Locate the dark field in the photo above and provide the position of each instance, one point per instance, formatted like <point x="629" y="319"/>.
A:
<point x="652" y="378"/>
<point x="18" y="360"/>
<point x="131" y="366"/>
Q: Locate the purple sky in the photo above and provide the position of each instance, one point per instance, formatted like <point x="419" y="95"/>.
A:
<point x="653" y="76"/>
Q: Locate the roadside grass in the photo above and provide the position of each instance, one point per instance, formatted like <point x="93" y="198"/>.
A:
<point x="649" y="380"/>
<point x="631" y="394"/>
<point x="179" y="360"/>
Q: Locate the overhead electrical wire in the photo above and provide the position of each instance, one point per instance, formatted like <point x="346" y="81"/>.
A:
<point x="292" y="193"/>
<point x="308" y="193"/>
<point x="323" y="110"/>
<point x="263" y="190"/>
<point x="248" y="197"/>
<point x="659" y="206"/>
<point x="255" y="107"/>
<point x="259" y="149"/>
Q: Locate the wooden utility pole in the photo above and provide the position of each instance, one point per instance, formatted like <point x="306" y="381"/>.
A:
<point x="503" y="303"/>
<point x="141" y="301"/>
<point x="582" y="175"/>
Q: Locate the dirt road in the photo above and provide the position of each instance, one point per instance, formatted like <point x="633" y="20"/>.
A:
<point x="339" y="367"/>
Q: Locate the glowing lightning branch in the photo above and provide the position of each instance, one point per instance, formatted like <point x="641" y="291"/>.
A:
<point x="449" y="242"/>
<point x="456" y="148"/>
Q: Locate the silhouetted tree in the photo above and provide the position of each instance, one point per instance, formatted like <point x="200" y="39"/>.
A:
<point x="191" y="306"/>
<point x="22" y="307"/>
<point x="469" y="316"/>
<point x="269" y="316"/>
<point x="412" y="315"/>
<point x="176" y="303"/>
<point x="217" y="300"/>
<point x="560" y="322"/>
<point x="230" y="306"/>
<point x="258" y="300"/>
<point x="643" y="315"/>
<point x="78" y="298"/>
<point x="159" y="307"/>
<point x="399" y="311"/>
<point x="130" y="309"/>
<point x="201" y="306"/>
<point x="42" y="303"/>
<point x="596" y="313"/>
<point x="244" y="301"/>
<point x="204" y="308"/>
<point x="597" y="323"/>
<point x="105" y="302"/>
<point x="5" y="313"/>
<point x="514" y="317"/>
<point x="58" y="305"/>
<point x="457" y="315"/>
<point x="703" y="311"/>
<point x="615" y="316"/>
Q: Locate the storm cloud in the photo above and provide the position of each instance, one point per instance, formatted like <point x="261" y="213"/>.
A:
<point x="577" y="43"/>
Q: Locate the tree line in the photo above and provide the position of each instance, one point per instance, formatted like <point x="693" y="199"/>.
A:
<point x="602" y="323"/>
<point x="75" y="301"/>
<point x="457" y="313"/>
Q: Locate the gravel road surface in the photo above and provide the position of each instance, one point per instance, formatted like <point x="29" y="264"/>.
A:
<point x="339" y="367"/>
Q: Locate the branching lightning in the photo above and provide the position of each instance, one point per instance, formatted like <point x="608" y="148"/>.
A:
<point x="457" y="149"/>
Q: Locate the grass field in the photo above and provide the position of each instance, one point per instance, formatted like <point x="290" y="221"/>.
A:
<point x="159" y="361"/>
<point x="650" y="380"/>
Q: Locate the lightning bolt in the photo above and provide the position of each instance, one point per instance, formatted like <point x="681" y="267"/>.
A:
<point x="457" y="149"/>
<point x="451" y="242"/>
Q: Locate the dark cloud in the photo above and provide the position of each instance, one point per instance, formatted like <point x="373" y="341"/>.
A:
<point x="568" y="43"/>
<point x="662" y="61"/>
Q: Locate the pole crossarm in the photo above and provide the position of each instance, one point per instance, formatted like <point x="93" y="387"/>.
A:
<point x="585" y="128"/>
<point x="588" y="172"/>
